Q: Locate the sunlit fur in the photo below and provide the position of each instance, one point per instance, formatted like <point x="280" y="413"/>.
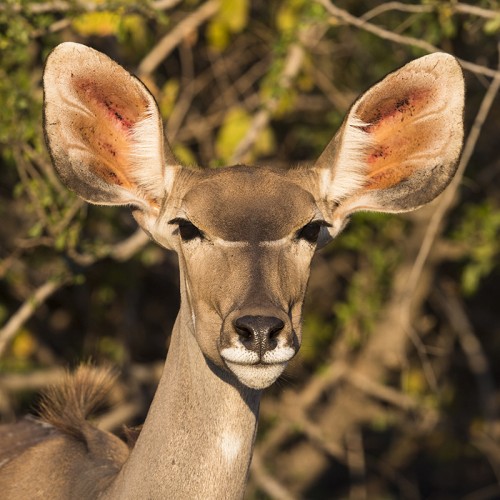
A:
<point x="397" y="150"/>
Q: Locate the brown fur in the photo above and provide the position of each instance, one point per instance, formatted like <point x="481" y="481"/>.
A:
<point x="74" y="458"/>
<point x="248" y="260"/>
<point x="68" y="406"/>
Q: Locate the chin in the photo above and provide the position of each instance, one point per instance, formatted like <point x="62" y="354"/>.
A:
<point x="259" y="376"/>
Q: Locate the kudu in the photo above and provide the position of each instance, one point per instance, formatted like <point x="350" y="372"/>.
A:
<point x="245" y="237"/>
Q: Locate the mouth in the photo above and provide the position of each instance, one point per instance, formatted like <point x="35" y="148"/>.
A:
<point x="256" y="376"/>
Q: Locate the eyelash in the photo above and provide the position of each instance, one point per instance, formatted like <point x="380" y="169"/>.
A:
<point x="187" y="230"/>
<point x="310" y="232"/>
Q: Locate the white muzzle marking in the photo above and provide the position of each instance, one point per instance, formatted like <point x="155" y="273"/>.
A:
<point x="255" y="372"/>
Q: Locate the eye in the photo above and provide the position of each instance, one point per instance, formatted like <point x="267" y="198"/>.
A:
<point x="310" y="231"/>
<point x="187" y="229"/>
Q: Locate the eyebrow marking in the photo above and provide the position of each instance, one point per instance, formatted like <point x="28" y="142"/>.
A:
<point x="274" y="243"/>
<point x="227" y="243"/>
<point x="244" y="243"/>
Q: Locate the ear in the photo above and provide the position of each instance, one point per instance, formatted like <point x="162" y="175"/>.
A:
<point x="104" y="131"/>
<point x="399" y="146"/>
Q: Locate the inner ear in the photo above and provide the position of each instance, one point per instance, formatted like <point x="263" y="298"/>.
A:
<point x="103" y="129"/>
<point x="107" y="127"/>
<point x="400" y="144"/>
<point x="404" y="131"/>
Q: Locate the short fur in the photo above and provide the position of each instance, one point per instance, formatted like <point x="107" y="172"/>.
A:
<point x="146" y="154"/>
<point x="69" y="405"/>
<point x="248" y="258"/>
<point x="348" y="175"/>
<point x="61" y="454"/>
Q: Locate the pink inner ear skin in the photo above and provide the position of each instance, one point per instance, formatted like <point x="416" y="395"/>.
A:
<point x="113" y="114"/>
<point x="402" y="128"/>
<point x="122" y="114"/>
<point x="396" y="108"/>
<point x="105" y="127"/>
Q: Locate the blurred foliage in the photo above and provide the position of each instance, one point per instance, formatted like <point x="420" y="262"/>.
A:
<point x="480" y="228"/>
<point x="234" y="128"/>
<point x="209" y="89"/>
<point x="232" y="18"/>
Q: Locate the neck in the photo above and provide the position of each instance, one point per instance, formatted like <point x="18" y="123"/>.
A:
<point x="198" y="436"/>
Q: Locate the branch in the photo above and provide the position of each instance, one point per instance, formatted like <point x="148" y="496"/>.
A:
<point x="28" y="308"/>
<point x="400" y="39"/>
<point x="401" y="7"/>
<point x="126" y="249"/>
<point x="32" y="381"/>
<point x="122" y="251"/>
<point x="119" y="416"/>
<point x="382" y="392"/>
<point x="489" y="446"/>
<point x="461" y="8"/>
<point x="451" y="305"/>
<point x="447" y="199"/>
<point x="293" y="63"/>
<point x="61" y="6"/>
<point x="473" y="10"/>
<point x="267" y="482"/>
<point x="355" y="457"/>
<point x="168" y="43"/>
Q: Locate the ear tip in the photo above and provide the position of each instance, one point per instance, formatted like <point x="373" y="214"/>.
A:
<point x="76" y="52"/>
<point x="65" y="48"/>
<point x="444" y="62"/>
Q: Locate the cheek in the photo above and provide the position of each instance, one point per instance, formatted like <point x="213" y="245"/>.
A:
<point x="211" y="277"/>
<point x="221" y="278"/>
<point x="212" y="290"/>
<point x="292" y="273"/>
<point x="207" y="332"/>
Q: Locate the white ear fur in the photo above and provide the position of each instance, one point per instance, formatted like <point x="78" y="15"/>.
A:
<point x="337" y="184"/>
<point x="147" y="150"/>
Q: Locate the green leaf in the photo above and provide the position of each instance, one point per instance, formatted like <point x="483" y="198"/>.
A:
<point x="231" y="18"/>
<point x="169" y="94"/>
<point x="184" y="155"/>
<point x="103" y="23"/>
<point x="234" y="14"/>
<point x="236" y="124"/>
<point x="492" y="26"/>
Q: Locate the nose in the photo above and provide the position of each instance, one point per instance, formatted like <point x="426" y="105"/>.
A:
<point x="258" y="333"/>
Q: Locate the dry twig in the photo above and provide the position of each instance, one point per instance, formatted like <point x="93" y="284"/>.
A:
<point x="28" y="307"/>
<point x="268" y="483"/>
<point x="460" y="8"/>
<point x="293" y="63"/>
<point x="182" y="29"/>
<point x="448" y="198"/>
<point x="400" y="39"/>
<point x="450" y="304"/>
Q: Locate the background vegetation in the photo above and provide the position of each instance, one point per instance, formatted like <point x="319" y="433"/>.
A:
<point x="395" y="393"/>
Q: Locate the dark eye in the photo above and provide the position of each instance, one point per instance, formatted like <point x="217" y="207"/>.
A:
<point x="310" y="232"/>
<point x="187" y="229"/>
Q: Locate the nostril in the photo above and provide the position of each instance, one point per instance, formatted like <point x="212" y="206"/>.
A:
<point x="243" y="331"/>
<point x="258" y="332"/>
<point x="276" y="328"/>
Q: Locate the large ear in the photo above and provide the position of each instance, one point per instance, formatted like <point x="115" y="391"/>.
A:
<point x="104" y="131"/>
<point x="399" y="146"/>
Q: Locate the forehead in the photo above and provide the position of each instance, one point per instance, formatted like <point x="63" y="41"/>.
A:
<point x="248" y="203"/>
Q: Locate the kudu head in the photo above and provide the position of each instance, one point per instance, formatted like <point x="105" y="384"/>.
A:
<point x="245" y="236"/>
